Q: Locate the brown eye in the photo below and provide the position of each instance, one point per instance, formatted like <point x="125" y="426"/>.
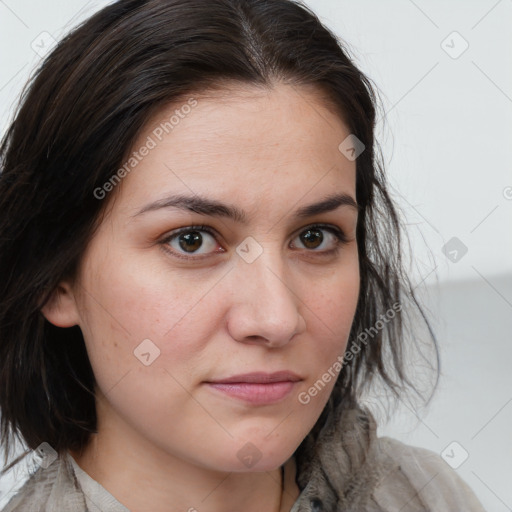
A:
<point x="312" y="238"/>
<point x="321" y="239"/>
<point x="190" y="241"/>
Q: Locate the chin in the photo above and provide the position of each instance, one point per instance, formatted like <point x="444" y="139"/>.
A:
<point x="260" y="454"/>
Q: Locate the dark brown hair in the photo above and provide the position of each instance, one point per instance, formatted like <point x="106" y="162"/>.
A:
<point x="78" y="118"/>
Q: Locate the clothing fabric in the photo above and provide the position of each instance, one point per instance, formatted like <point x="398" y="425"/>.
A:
<point x="346" y="469"/>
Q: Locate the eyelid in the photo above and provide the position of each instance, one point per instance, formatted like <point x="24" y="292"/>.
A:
<point x="192" y="227"/>
<point x="332" y="228"/>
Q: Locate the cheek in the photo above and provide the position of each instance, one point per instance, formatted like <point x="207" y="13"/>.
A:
<point x="144" y="335"/>
<point x="127" y="303"/>
<point x="333" y="300"/>
<point x="331" y="315"/>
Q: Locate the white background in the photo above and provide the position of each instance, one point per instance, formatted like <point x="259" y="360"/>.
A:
<point x="447" y="146"/>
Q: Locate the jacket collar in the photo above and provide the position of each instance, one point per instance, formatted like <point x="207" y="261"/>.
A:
<point x="340" y="470"/>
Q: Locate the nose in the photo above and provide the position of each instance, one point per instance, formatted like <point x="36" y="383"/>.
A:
<point x="264" y="307"/>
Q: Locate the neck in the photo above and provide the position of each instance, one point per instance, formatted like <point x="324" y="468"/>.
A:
<point x="144" y="478"/>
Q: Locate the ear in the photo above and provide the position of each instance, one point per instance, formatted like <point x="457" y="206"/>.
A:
<point x="61" y="309"/>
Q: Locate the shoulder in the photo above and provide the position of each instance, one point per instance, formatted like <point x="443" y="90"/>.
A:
<point x="415" y="479"/>
<point x="49" y="489"/>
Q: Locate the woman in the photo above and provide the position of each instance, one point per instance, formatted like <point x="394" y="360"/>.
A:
<point x="201" y="271"/>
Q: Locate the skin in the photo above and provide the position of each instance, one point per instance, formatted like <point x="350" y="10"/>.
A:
<point x="164" y="436"/>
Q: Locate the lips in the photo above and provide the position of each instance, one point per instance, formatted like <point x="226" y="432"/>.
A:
<point x="260" y="378"/>
<point x="257" y="388"/>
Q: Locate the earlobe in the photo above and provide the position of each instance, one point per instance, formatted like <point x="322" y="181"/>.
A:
<point x="60" y="309"/>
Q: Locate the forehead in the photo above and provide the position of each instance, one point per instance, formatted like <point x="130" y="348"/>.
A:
<point x="247" y="143"/>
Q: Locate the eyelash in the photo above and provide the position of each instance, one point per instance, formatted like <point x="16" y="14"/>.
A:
<point x="340" y="236"/>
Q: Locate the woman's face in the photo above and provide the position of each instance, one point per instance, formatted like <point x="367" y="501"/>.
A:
<point x="164" y="314"/>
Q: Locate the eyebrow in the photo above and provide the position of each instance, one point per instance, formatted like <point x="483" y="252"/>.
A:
<point x="212" y="207"/>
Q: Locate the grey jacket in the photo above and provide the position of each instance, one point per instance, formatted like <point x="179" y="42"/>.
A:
<point x="347" y="469"/>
